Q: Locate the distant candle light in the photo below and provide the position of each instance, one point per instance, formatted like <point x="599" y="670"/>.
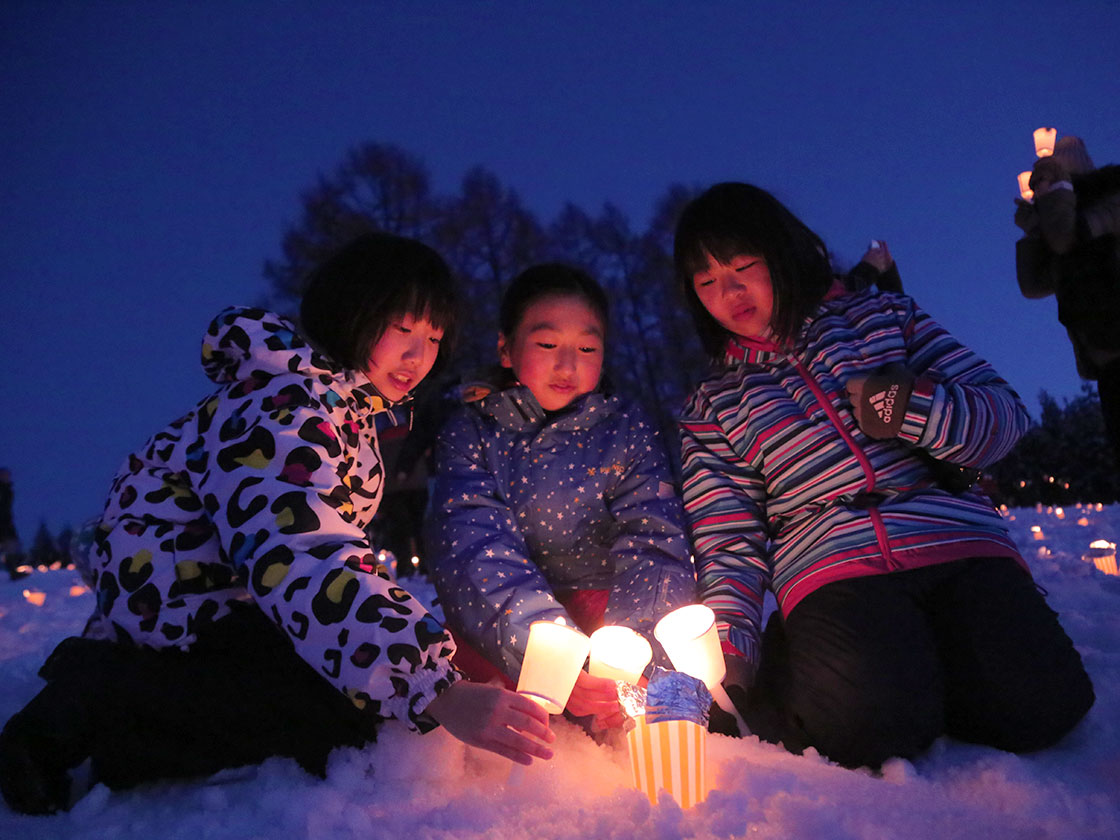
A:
<point x="36" y="598"/>
<point x="1025" y="186"/>
<point x="1102" y="554"/>
<point x="1044" y="141"/>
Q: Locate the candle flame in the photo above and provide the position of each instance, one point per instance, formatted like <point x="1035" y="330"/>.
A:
<point x="415" y="561"/>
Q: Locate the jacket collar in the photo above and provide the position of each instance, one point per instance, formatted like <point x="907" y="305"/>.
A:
<point x="516" y="408"/>
<point x="741" y="350"/>
<point x="366" y="401"/>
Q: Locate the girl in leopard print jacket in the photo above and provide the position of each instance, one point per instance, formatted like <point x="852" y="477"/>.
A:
<point x="231" y="564"/>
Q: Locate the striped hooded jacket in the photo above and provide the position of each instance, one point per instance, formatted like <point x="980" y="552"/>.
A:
<point x="782" y="489"/>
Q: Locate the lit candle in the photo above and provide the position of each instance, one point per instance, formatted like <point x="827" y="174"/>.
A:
<point x="78" y="589"/>
<point x="1102" y="554"/>
<point x="1044" y="141"/>
<point x="36" y="598"/>
<point x="1036" y="532"/>
<point x="619" y="653"/>
<point x="554" y="656"/>
<point x="1025" y="185"/>
<point x="691" y="640"/>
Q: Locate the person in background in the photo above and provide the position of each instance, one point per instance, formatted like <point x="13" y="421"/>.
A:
<point x="905" y="611"/>
<point x="240" y="609"/>
<point x="1071" y="249"/>
<point x="10" y="546"/>
<point x="552" y="497"/>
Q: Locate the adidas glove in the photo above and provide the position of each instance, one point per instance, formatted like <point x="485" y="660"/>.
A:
<point x="879" y="401"/>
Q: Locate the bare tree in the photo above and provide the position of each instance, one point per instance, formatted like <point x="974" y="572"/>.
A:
<point x="377" y="187"/>
<point x="488" y="236"/>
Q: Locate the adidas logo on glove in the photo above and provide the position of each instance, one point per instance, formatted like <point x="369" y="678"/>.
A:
<point x="883" y="403"/>
<point x="879" y="401"/>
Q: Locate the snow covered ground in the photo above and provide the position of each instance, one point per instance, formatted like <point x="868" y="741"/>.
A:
<point x="408" y="786"/>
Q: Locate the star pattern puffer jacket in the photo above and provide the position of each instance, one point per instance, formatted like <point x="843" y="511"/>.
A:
<point x="525" y="505"/>
<point x="263" y="492"/>
<point x="784" y="491"/>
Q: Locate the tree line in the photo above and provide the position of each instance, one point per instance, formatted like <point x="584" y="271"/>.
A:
<point x="488" y="235"/>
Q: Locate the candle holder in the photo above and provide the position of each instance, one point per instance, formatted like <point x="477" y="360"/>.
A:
<point x="554" y="656"/>
<point x="1044" y="141"/>
<point x="1102" y="554"/>
<point x="1024" y="186"/>
<point x="619" y="653"/>
<point x="670" y="756"/>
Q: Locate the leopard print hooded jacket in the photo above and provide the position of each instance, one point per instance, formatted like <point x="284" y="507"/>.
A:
<point x="262" y="492"/>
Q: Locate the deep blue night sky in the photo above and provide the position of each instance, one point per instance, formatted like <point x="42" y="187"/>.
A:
<point x="153" y="152"/>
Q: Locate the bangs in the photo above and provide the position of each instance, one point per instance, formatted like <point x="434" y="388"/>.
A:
<point x="718" y="229"/>
<point x="426" y="302"/>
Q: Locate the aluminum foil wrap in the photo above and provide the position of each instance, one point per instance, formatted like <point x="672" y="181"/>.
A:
<point x="670" y="695"/>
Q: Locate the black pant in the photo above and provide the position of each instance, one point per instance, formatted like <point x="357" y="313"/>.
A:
<point x="880" y="666"/>
<point x="240" y="695"/>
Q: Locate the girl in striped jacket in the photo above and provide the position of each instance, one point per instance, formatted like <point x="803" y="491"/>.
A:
<point x="811" y="463"/>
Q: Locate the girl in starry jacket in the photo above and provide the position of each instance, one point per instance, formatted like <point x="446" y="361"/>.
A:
<point x="810" y="456"/>
<point x="240" y="611"/>
<point x="552" y="498"/>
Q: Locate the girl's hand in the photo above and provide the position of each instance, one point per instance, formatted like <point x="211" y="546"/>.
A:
<point x="596" y="696"/>
<point x="879" y="401"/>
<point x="878" y="255"/>
<point x="495" y="719"/>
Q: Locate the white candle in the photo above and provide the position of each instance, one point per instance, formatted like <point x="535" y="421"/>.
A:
<point x="554" y="655"/>
<point x="1044" y="141"/>
<point x="690" y="638"/>
<point x="619" y="653"/>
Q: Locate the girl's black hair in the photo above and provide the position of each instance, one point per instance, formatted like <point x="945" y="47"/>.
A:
<point x="354" y="295"/>
<point x="732" y="219"/>
<point x="550" y="280"/>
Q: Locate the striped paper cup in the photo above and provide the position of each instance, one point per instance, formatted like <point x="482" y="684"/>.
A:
<point x="669" y="755"/>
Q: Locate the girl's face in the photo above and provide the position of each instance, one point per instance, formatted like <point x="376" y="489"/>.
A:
<point x="403" y="355"/>
<point x="556" y="350"/>
<point x="738" y="294"/>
